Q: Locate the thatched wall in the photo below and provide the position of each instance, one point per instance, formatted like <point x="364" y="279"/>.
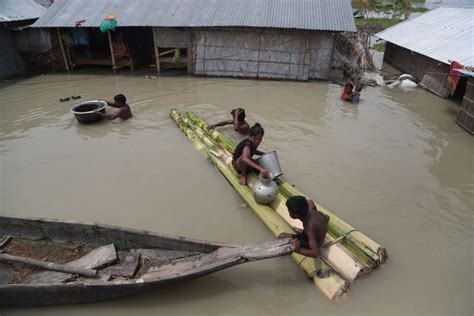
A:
<point x="466" y="113"/>
<point x="269" y="54"/>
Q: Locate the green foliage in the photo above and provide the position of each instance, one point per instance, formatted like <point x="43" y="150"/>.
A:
<point x="420" y="9"/>
<point x="386" y="23"/>
<point x="380" y="47"/>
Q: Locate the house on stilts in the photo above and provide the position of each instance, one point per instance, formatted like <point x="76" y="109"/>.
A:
<point x="271" y="39"/>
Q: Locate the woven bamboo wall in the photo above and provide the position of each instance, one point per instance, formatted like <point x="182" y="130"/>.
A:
<point x="268" y="54"/>
<point x="321" y="57"/>
<point x="466" y="113"/>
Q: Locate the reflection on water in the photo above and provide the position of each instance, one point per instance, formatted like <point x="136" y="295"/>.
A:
<point x="396" y="166"/>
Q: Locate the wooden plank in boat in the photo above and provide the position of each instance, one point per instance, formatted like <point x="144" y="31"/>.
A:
<point x="96" y="259"/>
<point x="163" y="255"/>
<point x="5" y="273"/>
<point x="127" y="266"/>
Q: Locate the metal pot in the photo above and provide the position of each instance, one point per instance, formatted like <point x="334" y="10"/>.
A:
<point x="264" y="190"/>
<point x="85" y="112"/>
<point x="270" y="162"/>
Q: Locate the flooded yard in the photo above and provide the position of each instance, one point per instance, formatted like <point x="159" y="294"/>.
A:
<point x="396" y="166"/>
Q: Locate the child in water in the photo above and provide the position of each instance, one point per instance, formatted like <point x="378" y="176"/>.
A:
<point x="350" y="94"/>
<point x="238" y="120"/>
<point x="120" y="102"/>
<point x="242" y="158"/>
<point x="308" y="241"/>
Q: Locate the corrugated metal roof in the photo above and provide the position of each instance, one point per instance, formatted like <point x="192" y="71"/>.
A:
<point x="466" y="72"/>
<point x="330" y="15"/>
<point x="443" y="34"/>
<point x="18" y="10"/>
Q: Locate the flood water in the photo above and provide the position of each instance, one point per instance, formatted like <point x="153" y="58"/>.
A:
<point x="396" y="166"/>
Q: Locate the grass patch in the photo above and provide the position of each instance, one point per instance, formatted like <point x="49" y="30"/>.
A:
<point x="380" y="47"/>
<point x="420" y="9"/>
<point x="418" y="1"/>
<point x="386" y="23"/>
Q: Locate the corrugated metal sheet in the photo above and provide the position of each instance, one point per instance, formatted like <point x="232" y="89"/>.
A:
<point x="329" y="15"/>
<point x="442" y="34"/>
<point x="466" y="72"/>
<point x="18" y="10"/>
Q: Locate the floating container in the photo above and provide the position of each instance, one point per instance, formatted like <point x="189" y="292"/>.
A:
<point x="85" y="112"/>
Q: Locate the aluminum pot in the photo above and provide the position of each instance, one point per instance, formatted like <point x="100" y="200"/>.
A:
<point x="270" y="162"/>
<point x="85" y="112"/>
<point x="264" y="190"/>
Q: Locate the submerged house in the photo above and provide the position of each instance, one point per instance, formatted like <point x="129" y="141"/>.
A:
<point x="16" y="37"/>
<point x="431" y="46"/>
<point x="274" y="39"/>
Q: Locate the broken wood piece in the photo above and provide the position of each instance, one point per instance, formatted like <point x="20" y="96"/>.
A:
<point x="167" y="52"/>
<point x="220" y="258"/>
<point x="96" y="259"/>
<point x="48" y="265"/>
<point x="4" y="240"/>
<point x="127" y="266"/>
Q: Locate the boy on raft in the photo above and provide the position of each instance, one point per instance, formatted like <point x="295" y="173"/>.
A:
<point x="238" y="120"/>
<point x="242" y="158"/>
<point x="308" y="241"/>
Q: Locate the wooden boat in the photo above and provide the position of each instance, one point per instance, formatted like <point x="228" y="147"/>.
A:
<point x="101" y="262"/>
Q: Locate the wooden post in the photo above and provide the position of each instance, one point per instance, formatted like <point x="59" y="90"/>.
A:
<point x="114" y="66"/>
<point x="157" y="53"/>
<point x="66" y="63"/>
<point x="190" y="60"/>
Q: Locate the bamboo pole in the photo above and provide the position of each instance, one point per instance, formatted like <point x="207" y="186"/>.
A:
<point x="114" y="65"/>
<point x="48" y="265"/>
<point x="332" y="285"/>
<point x="63" y="52"/>
<point x="364" y="248"/>
<point x="347" y="265"/>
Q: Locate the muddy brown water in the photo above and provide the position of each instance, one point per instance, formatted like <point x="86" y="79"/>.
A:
<point x="396" y="166"/>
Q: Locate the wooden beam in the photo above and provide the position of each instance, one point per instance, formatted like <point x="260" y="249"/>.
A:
<point x="48" y="265"/>
<point x="66" y="64"/>
<point x="114" y="65"/>
<point x="189" y="60"/>
<point x="167" y="52"/>
<point x="157" y="53"/>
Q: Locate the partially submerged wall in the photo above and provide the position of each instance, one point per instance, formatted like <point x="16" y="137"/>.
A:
<point x="430" y="73"/>
<point x="11" y="63"/>
<point x="466" y="113"/>
<point x="272" y="54"/>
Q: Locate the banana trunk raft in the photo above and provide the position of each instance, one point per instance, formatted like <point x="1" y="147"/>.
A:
<point x="347" y="254"/>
